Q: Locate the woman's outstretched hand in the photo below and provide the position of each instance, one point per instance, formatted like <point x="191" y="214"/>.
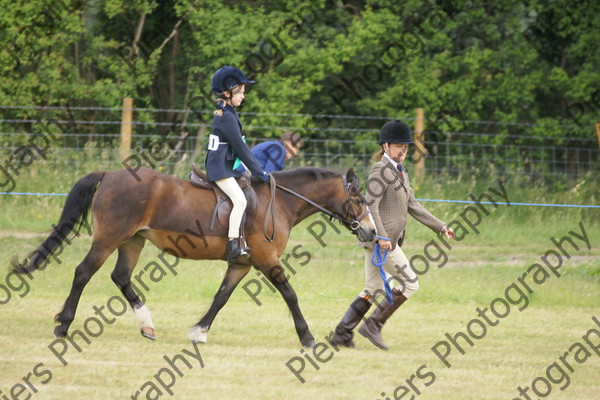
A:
<point x="448" y="232"/>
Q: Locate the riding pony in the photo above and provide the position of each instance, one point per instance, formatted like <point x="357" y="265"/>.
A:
<point x="129" y="209"/>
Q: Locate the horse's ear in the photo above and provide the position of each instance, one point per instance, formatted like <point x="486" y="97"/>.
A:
<point x="352" y="179"/>
<point x="350" y="175"/>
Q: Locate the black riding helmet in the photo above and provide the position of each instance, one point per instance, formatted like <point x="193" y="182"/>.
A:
<point x="395" y="132"/>
<point x="226" y="78"/>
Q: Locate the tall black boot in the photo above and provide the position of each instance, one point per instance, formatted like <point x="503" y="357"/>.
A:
<point x="343" y="331"/>
<point x="237" y="253"/>
<point x="371" y="328"/>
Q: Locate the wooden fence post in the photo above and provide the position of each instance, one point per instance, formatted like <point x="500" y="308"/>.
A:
<point x="419" y="153"/>
<point x="598" y="132"/>
<point x="127" y="116"/>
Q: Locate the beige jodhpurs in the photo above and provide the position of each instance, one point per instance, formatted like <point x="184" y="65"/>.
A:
<point x="235" y="193"/>
<point x="398" y="273"/>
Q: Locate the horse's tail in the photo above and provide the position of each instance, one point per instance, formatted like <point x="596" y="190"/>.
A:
<point x="74" y="216"/>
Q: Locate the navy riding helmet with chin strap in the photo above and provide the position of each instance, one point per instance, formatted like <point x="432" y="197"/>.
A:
<point x="226" y="78"/>
<point x="395" y="132"/>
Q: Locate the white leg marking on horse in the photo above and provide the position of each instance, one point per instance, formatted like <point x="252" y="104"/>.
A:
<point x="143" y="317"/>
<point x="198" y="334"/>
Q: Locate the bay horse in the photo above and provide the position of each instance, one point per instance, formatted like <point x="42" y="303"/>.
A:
<point x="129" y="209"/>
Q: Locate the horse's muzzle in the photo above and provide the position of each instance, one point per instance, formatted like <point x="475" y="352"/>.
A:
<point x="366" y="230"/>
<point x="366" y="234"/>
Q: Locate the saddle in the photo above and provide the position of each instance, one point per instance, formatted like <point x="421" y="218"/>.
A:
<point x="199" y="179"/>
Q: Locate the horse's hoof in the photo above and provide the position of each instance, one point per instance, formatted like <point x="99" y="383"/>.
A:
<point x="198" y="334"/>
<point x="309" y="345"/>
<point x="148" y="333"/>
<point x="60" y="332"/>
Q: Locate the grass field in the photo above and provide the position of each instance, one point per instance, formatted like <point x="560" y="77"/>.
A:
<point x="249" y="345"/>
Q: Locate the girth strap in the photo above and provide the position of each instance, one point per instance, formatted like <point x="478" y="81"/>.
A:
<point x="271" y="208"/>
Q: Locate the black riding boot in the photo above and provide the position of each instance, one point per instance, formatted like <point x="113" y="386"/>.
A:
<point x="371" y="328"/>
<point x="343" y="331"/>
<point x="236" y="251"/>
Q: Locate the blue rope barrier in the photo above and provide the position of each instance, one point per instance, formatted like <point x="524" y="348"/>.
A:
<point x="379" y="261"/>
<point x="34" y="194"/>
<point x="512" y="203"/>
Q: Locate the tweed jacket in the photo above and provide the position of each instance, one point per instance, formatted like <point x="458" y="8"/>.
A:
<point x="390" y="199"/>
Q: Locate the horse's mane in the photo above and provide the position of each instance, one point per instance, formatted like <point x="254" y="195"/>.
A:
<point x="306" y="172"/>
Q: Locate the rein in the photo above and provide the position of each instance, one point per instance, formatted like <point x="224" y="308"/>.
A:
<point x="354" y="224"/>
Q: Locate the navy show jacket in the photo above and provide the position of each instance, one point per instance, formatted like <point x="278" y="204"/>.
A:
<point x="225" y="144"/>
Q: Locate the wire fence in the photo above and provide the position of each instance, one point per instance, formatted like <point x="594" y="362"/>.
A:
<point x="480" y="148"/>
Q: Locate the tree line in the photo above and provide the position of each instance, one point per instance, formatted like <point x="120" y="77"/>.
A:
<point x="508" y="61"/>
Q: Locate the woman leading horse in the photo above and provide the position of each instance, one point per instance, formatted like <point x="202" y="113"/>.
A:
<point x="127" y="211"/>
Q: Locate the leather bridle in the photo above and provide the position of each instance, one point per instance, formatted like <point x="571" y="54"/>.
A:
<point x="353" y="222"/>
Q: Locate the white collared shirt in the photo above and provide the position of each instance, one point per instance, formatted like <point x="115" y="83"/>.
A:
<point x="398" y="165"/>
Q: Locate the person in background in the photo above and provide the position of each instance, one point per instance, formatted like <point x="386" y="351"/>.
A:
<point x="225" y="145"/>
<point x="390" y="205"/>
<point x="273" y="154"/>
